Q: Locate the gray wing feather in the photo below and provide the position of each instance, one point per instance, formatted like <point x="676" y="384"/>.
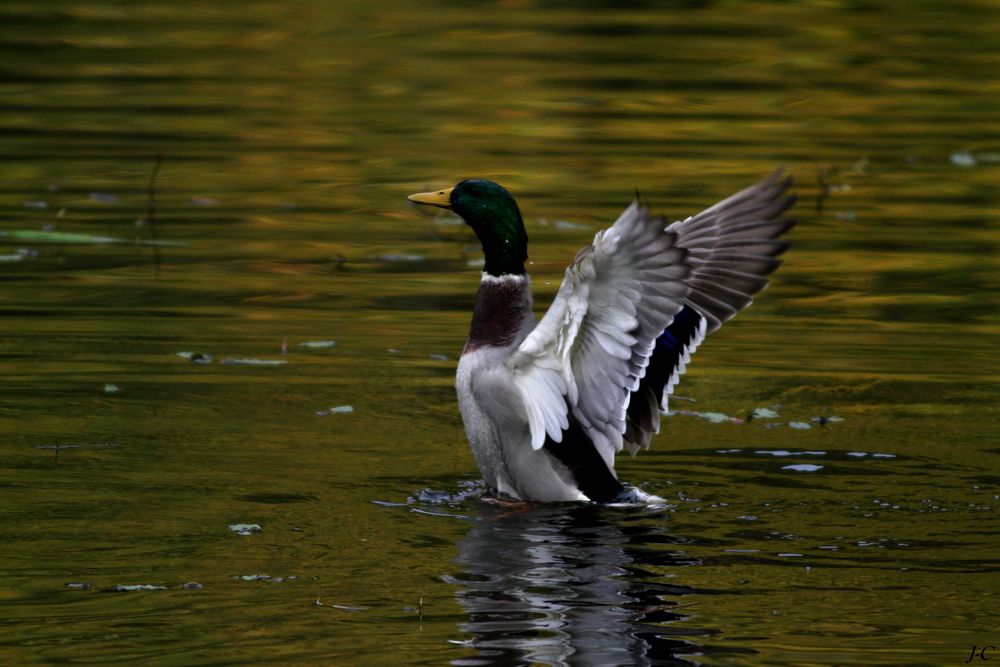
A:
<point x="589" y="353"/>
<point x="732" y="246"/>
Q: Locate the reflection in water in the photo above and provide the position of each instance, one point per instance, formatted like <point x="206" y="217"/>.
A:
<point x="572" y="584"/>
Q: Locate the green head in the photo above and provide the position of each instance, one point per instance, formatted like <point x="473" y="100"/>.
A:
<point x="494" y="217"/>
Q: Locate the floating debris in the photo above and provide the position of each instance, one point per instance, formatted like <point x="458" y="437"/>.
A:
<point x="78" y="585"/>
<point x="110" y="388"/>
<point x="337" y="410"/>
<point x="728" y="451"/>
<point x="764" y="413"/>
<point x="387" y="503"/>
<point x="94" y="446"/>
<point x="103" y="197"/>
<point x="43" y="236"/>
<point x="35" y="204"/>
<point x="564" y="225"/>
<point x="823" y="420"/>
<point x="245" y="528"/>
<point x="714" y="417"/>
<point x="802" y="426"/>
<point x="342" y="607"/>
<point x="192" y="586"/>
<point x="196" y="357"/>
<point x="318" y="344"/>
<point x="439" y="357"/>
<point x="447" y="515"/>
<point x="204" y="201"/>
<point x="253" y="577"/>
<point x="399" y="257"/>
<point x="963" y="159"/>
<point x="802" y="467"/>
<point x="254" y="362"/>
<point x="19" y="255"/>
<point x="59" y="448"/>
<point x="121" y="588"/>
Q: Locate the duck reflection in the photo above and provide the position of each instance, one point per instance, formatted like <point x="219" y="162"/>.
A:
<point x="579" y="585"/>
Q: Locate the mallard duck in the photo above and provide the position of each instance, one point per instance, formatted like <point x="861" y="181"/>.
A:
<point x="548" y="405"/>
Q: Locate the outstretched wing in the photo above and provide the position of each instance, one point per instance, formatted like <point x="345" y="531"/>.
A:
<point x="590" y="350"/>
<point x="614" y="315"/>
<point x="731" y="248"/>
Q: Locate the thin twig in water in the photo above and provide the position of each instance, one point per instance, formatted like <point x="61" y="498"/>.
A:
<point x="822" y="177"/>
<point x="151" y="212"/>
<point x="59" y="448"/>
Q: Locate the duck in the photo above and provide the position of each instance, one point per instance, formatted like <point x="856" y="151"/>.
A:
<point x="547" y="405"/>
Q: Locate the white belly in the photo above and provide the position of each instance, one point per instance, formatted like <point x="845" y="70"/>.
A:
<point x="497" y="429"/>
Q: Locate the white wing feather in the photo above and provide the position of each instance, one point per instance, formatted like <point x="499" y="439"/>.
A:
<point x="590" y="349"/>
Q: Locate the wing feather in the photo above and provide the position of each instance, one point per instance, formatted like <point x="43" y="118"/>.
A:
<point x="607" y="352"/>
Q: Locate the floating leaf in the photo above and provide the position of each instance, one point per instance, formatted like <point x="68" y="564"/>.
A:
<point x="399" y="257"/>
<point x="715" y="417"/>
<point x="254" y="362"/>
<point x="17" y="256"/>
<point x="196" y="357"/>
<point x="565" y="225"/>
<point x="338" y="410"/>
<point x="318" y="344"/>
<point x="963" y="159"/>
<point x="245" y="528"/>
<point x="40" y="236"/>
<point x="823" y="421"/>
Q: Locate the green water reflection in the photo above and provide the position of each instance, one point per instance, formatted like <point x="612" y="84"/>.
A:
<point x="290" y="135"/>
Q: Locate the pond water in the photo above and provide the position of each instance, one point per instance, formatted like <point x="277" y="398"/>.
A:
<point x="156" y="392"/>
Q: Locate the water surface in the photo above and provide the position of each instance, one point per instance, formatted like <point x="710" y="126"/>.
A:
<point x="853" y="521"/>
